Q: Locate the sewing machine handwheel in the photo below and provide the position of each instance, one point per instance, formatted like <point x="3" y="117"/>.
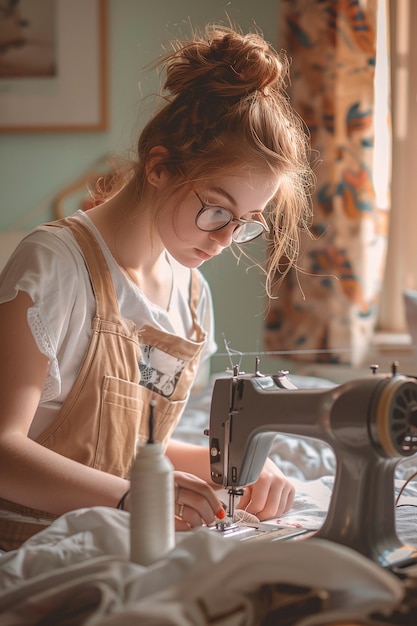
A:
<point x="396" y="417"/>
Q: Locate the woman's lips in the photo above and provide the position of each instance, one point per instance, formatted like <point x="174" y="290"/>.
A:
<point x="203" y="255"/>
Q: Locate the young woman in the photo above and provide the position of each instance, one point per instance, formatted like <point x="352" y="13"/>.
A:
<point x="102" y="312"/>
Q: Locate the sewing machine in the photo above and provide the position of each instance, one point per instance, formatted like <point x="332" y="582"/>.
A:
<point x="370" y="424"/>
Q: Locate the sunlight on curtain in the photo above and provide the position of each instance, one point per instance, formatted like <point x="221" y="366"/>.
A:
<point x="401" y="270"/>
<point x="382" y="143"/>
<point x="330" y="305"/>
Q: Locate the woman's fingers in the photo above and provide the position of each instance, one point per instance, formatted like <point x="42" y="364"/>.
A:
<point x="271" y="495"/>
<point x="279" y="501"/>
<point x="195" y="502"/>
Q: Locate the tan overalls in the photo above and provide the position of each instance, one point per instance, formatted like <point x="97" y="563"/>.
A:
<point x="106" y="410"/>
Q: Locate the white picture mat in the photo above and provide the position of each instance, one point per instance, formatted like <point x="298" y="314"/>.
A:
<point x="74" y="99"/>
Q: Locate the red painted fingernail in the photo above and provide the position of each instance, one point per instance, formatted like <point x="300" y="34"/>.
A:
<point x="221" y="514"/>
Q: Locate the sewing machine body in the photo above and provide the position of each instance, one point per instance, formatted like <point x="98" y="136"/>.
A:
<point x="370" y="424"/>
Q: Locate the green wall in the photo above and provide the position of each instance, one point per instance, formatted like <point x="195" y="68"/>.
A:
<point x="35" y="166"/>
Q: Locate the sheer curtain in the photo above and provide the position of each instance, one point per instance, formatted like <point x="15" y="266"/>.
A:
<point x="401" y="268"/>
<point x="328" y="309"/>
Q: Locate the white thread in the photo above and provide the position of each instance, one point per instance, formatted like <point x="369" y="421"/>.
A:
<point x="152" y="510"/>
<point x="243" y="516"/>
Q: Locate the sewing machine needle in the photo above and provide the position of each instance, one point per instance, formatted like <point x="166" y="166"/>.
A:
<point x="232" y="506"/>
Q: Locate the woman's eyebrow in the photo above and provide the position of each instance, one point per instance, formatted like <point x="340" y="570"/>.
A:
<point x="224" y="193"/>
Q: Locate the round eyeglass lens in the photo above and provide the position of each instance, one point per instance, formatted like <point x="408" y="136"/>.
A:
<point x="213" y="218"/>
<point x="247" y="232"/>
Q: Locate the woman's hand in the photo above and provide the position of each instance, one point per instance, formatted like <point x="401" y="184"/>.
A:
<point x="195" y="502"/>
<point x="271" y="495"/>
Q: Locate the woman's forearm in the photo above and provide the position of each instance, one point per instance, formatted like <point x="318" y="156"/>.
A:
<point x="190" y="458"/>
<point x="35" y="476"/>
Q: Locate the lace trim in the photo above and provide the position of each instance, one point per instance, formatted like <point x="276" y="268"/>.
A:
<point x="53" y="382"/>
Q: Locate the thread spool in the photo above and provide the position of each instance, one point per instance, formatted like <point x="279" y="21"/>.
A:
<point x="152" y="508"/>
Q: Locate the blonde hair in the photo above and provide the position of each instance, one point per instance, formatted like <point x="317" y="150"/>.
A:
<point x="225" y="108"/>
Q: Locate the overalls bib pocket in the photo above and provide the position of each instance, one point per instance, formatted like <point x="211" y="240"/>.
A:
<point x="167" y="414"/>
<point x="119" y="424"/>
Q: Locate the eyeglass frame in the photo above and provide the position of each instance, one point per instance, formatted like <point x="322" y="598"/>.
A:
<point x="241" y="221"/>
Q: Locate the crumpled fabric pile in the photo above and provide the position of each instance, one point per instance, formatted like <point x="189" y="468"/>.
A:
<point x="77" y="571"/>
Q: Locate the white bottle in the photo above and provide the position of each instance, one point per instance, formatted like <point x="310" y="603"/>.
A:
<point x="152" y="507"/>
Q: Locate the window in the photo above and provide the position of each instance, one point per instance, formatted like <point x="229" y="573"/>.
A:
<point x="401" y="268"/>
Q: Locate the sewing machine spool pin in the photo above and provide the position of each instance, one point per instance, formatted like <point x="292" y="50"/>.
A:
<point x="370" y="423"/>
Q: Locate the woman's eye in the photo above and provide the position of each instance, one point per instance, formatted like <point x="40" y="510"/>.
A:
<point x="218" y="211"/>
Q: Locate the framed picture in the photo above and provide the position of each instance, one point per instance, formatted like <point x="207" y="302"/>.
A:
<point x="53" y="66"/>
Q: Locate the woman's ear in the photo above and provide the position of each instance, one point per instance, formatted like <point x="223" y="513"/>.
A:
<point x="155" y="168"/>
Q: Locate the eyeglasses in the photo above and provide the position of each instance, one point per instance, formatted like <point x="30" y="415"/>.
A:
<point x="211" y="218"/>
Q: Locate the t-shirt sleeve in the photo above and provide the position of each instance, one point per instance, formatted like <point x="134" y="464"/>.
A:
<point x="46" y="269"/>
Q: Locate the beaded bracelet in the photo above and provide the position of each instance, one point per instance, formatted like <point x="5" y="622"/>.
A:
<point x="121" y="503"/>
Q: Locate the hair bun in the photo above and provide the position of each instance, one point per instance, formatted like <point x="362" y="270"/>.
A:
<point x="223" y="63"/>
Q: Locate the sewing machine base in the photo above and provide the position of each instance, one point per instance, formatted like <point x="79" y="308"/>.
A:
<point x="257" y="531"/>
<point x="397" y="560"/>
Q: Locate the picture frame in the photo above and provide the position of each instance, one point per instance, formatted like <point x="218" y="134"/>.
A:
<point x="73" y="97"/>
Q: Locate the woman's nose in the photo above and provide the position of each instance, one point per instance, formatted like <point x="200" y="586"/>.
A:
<point x="224" y="235"/>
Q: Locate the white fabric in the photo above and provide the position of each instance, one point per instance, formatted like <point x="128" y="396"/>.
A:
<point x="52" y="271"/>
<point x="77" y="571"/>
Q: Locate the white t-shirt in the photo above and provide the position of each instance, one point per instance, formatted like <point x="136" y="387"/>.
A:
<point x="52" y="271"/>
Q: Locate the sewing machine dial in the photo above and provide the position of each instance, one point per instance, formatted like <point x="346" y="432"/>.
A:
<point x="396" y="417"/>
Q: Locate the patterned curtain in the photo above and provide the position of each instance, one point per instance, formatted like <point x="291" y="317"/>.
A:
<point x="330" y="303"/>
